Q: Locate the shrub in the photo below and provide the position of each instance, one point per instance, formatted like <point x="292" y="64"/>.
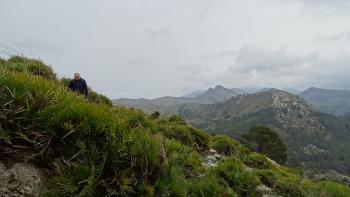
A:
<point x="33" y="66"/>
<point x="241" y="181"/>
<point x="267" y="176"/>
<point x="185" y="134"/>
<point x="146" y="190"/>
<point x="288" y="187"/>
<point x="171" y="183"/>
<point x="228" y="146"/>
<point x="177" y="119"/>
<point x="209" y="186"/>
<point x="155" y="115"/>
<point x="265" y="141"/>
<point x="255" y="160"/>
<point x="328" y="188"/>
<point x="184" y="156"/>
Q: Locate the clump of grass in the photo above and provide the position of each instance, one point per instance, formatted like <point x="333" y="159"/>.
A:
<point x="240" y="180"/>
<point x="288" y="187"/>
<point x="210" y="186"/>
<point x="23" y="64"/>
<point x="328" y="188"/>
<point x="184" y="156"/>
<point x="255" y="160"/>
<point x="228" y="146"/>
<point x="185" y="134"/>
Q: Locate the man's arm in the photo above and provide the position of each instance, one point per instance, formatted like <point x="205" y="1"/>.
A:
<point x="86" y="91"/>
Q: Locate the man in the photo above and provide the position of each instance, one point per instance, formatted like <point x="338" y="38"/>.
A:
<point x="78" y="85"/>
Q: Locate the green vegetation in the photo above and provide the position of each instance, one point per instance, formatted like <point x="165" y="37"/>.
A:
<point x="264" y="140"/>
<point x="228" y="146"/>
<point x="94" y="149"/>
<point x="255" y="160"/>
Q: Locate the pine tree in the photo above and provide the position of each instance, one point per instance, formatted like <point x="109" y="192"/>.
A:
<point x="265" y="141"/>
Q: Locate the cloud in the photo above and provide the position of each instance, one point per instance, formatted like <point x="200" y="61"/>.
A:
<point x="280" y="68"/>
<point x="157" y="33"/>
<point x="219" y="55"/>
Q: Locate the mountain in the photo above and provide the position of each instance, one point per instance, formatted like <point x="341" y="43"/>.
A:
<point x="193" y="94"/>
<point x="330" y="101"/>
<point x="170" y="105"/>
<point x="315" y="140"/>
<point x="217" y="94"/>
<point x="56" y="143"/>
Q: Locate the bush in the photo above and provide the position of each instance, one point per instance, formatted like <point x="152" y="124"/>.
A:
<point x="265" y="141"/>
<point x="228" y="146"/>
<point x="241" y="181"/>
<point x="146" y="190"/>
<point x="328" y="188"/>
<point x="267" y="176"/>
<point x="177" y="119"/>
<point x="288" y="187"/>
<point x="209" y="187"/>
<point x="184" y="156"/>
<point x="33" y="66"/>
<point x="185" y="134"/>
<point x="255" y="160"/>
<point x="155" y="115"/>
<point x="171" y="183"/>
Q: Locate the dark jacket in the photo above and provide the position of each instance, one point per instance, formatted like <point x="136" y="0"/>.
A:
<point x="79" y="86"/>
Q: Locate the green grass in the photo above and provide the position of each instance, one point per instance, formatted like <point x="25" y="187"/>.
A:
<point x="95" y="149"/>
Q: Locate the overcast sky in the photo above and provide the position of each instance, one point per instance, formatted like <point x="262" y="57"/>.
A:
<point x="152" y="48"/>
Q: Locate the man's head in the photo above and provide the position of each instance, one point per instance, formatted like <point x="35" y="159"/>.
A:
<point x="77" y="76"/>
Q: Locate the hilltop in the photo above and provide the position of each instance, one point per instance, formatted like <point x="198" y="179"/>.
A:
<point x="90" y="148"/>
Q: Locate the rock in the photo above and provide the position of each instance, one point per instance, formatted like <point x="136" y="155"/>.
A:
<point x="212" y="151"/>
<point x="272" y="162"/>
<point x="333" y="175"/>
<point x="21" y="179"/>
<point x="266" y="191"/>
<point x="211" y="159"/>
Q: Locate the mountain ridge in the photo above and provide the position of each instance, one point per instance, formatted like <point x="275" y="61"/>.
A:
<point x="308" y="133"/>
<point x="330" y="101"/>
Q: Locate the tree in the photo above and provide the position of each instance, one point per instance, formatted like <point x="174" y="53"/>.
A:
<point x="155" y="115"/>
<point x="265" y="141"/>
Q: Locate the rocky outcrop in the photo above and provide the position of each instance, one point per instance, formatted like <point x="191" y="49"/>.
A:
<point x="211" y="159"/>
<point x="20" y="179"/>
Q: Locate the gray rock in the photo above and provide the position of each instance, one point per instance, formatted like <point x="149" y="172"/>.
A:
<point x="21" y="179"/>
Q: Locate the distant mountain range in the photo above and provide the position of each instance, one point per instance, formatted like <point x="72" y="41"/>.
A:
<point x="170" y="105"/>
<point x="315" y="140"/>
<point x="330" y="101"/>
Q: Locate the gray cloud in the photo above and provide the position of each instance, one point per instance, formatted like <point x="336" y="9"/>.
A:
<point x="156" y="33"/>
<point x="140" y="48"/>
<point x="260" y="67"/>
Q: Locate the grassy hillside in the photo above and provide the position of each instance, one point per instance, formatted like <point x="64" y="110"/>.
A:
<point x="89" y="148"/>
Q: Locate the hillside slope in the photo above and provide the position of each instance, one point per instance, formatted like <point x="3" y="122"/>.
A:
<point x="330" y="101"/>
<point x="88" y="148"/>
<point x="315" y="140"/>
